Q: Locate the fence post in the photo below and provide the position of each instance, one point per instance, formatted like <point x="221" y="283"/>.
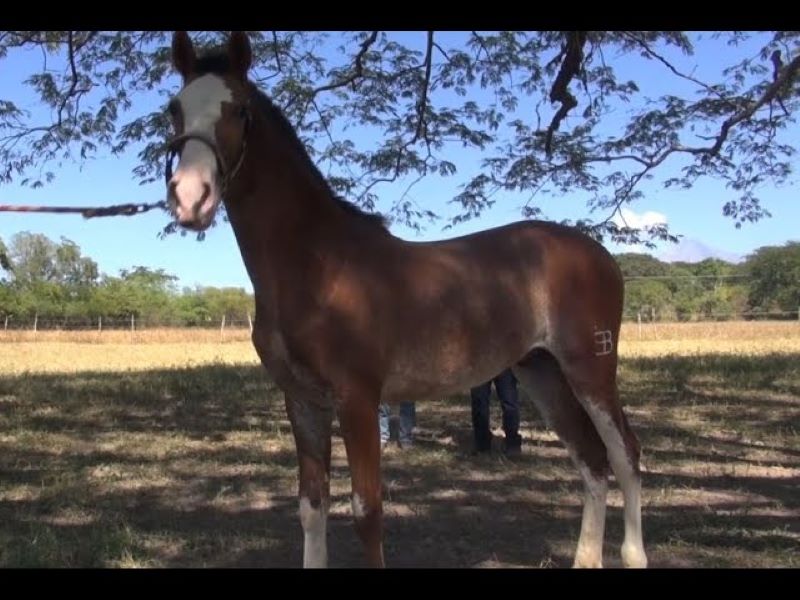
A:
<point x="99" y="324"/>
<point x="35" y="322"/>
<point x="250" y="322"/>
<point x="639" y="320"/>
<point x="5" y="327"/>
<point x="222" y="328"/>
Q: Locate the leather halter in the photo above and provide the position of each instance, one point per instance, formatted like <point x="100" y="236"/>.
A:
<point x="176" y="144"/>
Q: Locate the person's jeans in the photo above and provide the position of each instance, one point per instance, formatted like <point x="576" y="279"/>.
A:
<point x="408" y="417"/>
<point x="506" y="385"/>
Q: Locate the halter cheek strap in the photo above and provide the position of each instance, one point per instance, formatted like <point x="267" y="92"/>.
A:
<point x="176" y="144"/>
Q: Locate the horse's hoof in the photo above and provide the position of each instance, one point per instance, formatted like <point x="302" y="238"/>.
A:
<point x="633" y="557"/>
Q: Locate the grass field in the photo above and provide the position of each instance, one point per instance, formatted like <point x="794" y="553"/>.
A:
<point x="169" y="450"/>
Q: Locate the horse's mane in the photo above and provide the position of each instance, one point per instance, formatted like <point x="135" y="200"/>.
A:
<point x="216" y="62"/>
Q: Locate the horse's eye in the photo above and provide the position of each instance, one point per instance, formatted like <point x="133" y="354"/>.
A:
<point x="173" y="108"/>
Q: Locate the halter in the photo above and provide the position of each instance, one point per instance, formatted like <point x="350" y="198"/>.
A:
<point x="176" y="144"/>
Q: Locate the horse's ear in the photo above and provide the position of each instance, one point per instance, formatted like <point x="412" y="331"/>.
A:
<point x="240" y="53"/>
<point x="183" y="55"/>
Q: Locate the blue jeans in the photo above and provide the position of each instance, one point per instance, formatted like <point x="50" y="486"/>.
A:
<point x="506" y="385"/>
<point x="408" y="418"/>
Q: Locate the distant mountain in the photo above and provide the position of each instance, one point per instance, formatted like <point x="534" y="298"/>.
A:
<point x="691" y="250"/>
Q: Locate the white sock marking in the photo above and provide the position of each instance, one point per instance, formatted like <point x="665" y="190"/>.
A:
<point x="315" y="544"/>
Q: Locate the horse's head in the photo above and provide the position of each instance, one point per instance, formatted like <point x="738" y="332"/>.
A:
<point x="210" y="116"/>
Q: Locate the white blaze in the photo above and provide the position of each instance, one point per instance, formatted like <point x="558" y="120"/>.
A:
<point x="201" y="103"/>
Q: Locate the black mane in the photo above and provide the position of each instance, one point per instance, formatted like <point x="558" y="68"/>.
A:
<point x="216" y="62"/>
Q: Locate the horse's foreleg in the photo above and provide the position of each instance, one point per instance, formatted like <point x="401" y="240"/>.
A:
<point x="358" y="417"/>
<point x="311" y="426"/>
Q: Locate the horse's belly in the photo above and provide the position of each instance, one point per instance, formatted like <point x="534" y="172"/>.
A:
<point x="452" y="366"/>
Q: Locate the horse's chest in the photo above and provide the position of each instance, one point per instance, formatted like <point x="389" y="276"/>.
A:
<point x="289" y="373"/>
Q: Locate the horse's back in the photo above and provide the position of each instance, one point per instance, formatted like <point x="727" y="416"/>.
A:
<point x="535" y="246"/>
<point x="470" y="306"/>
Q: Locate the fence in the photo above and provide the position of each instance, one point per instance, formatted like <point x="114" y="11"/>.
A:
<point x="652" y="316"/>
<point x="130" y="323"/>
<point x="126" y="330"/>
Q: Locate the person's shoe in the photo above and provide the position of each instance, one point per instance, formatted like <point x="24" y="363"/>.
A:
<point x="512" y="450"/>
<point x="482" y="443"/>
<point x="481" y="449"/>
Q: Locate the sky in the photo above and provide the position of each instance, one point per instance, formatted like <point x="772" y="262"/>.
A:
<point x="122" y="242"/>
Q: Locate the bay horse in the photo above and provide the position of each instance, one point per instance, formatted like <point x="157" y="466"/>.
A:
<point x="348" y="315"/>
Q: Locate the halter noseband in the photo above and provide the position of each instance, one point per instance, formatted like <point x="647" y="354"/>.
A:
<point x="176" y="144"/>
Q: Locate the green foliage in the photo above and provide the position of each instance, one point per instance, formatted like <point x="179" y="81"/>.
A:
<point x="775" y="278"/>
<point x="768" y="281"/>
<point x="54" y="281"/>
<point x="57" y="282"/>
<point x="531" y="106"/>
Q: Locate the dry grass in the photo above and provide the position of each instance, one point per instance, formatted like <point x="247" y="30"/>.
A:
<point x="68" y="352"/>
<point x="165" y="335"/>
<point x="72" y="357"/>
<point x="752" y="338"/>
<point x="157" y="461"/>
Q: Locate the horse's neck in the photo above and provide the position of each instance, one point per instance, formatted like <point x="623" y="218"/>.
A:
<point x="278" y="223"/>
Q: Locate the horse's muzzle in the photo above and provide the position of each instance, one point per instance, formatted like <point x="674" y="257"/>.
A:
<point x="193" y="202"/>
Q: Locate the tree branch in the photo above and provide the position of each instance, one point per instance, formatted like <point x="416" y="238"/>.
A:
<point x="783" y="76"/>
<point x="652" y="53"/>
<point x="777" y="63"/>
<point x="570" y="67"/>
<point x="482" y="46"/>
<point x="788" y="75"/>
<point x="358" y="71"/>
<point x="277" y="54"/>
<point x="422" y="103"/>
<point x="440" y="49"/>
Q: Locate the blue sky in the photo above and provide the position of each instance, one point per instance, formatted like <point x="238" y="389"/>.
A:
<point x="122" y="242"/>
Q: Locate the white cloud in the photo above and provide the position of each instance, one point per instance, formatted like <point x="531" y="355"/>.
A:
<point x="636" y="221"/>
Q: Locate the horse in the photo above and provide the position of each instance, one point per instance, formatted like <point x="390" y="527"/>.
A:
<point x="348" y="315"/>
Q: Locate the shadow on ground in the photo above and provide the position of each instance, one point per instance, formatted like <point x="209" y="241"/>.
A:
<point x="196" y="467"/>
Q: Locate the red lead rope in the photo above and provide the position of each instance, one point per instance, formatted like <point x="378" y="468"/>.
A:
<point x="87" y="211"/>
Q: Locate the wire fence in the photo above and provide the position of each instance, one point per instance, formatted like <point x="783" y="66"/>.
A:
<point x="636" y="326"/>
<point x="652" y="316"/>
<point x="129" y="323"/>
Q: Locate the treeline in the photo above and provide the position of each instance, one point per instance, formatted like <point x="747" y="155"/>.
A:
<point x="765" y="285"/>
<point x="52" y="281"/>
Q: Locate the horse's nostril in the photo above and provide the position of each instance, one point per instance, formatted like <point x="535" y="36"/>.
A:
<point x="206" y="192"/>
<point x="172" y="189"/>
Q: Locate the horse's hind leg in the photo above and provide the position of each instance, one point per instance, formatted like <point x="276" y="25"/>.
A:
<point x="593" y="379"/>
<point x="541" y="376"/>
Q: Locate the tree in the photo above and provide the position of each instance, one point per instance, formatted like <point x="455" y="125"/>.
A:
<point x="207" y="304"/>
<point x="775" y="278"/>
<point x="634" y="264"/>
<point x="46" y="277"/>
<point x="535" y="106"/>
<point x="5" y="261"/>
<point x="144" y="293"/>
<point x="646" y="297"/>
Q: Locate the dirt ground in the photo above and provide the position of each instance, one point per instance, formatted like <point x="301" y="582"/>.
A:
<point x="195" y="467"/>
